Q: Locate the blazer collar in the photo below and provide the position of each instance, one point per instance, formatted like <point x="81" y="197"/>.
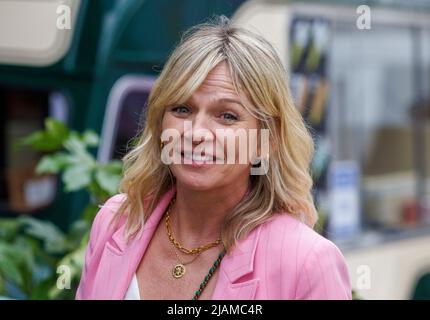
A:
<point x="240" y="261"/>
<point x="236" y="275"/>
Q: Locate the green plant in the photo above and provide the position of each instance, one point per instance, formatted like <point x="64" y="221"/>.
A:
<point x="31" y="250"/>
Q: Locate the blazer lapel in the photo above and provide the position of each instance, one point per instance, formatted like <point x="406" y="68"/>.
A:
<point x="235" y="279"/>
<point x="120" y="260"/>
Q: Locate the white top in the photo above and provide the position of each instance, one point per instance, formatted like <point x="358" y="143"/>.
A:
<point x="133" y="290"/>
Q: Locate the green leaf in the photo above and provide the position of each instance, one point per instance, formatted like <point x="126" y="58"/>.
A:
<point x="77" y="149"/>
<point x="89" y="213"/>
<point x="50" y="139"/>
<point x="56" y="129"/>
<point x="74" y="143"/>
<point x="29" y="249"/>
<point x="10" y="263"/>
<point x="109" y="177"/>
<point x="52" y="237"/>
<point x="53" y="163"/>
<point x="76" y="178"/>
<point x="2" y="286"/>
<point x="41" y="141"/>
<point x="47" y="165"/>
<point x="77" y="231"/>
<point x="40" y="290"/>
<point x="9" y="228"/>
<point x="90" y="138"/>
<point x="99" y="194"/>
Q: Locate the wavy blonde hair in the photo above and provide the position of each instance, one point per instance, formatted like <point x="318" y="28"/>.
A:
<point x="256" y="70"/>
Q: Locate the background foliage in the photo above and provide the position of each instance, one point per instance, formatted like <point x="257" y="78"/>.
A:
<point x="32" y="250"/>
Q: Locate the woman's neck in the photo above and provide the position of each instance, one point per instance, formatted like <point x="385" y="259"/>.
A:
<point x="197" y="216"/>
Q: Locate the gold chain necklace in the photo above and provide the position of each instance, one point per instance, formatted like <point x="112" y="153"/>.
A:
<point x="179" y="269"/>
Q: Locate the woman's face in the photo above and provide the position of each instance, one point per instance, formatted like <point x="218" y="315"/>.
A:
<point x="208" y="127"/>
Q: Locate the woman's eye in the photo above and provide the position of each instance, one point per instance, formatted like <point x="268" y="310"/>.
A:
<point x="180" y="109"/>
<point x="229" y="117"/>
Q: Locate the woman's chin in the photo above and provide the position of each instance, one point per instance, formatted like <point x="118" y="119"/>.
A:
<point x="195" y="181"/>
<point x="196" y="185"/>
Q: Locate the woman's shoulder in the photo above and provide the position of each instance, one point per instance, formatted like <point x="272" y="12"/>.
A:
<point x="290" y="235"/>
<point x="107" y="212"/>
<point x="319" y="268"/>
<point x="104" y="219"/>
<point x="111" y="206"/>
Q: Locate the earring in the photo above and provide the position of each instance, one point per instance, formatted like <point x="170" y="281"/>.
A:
<point x="161" y="144"/>
<point x="256" y="164"/>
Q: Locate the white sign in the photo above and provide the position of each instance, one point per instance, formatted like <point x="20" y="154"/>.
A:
<point x="344" y="195"/>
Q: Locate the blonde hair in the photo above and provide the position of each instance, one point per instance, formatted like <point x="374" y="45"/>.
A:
<point x="256" y="70"/>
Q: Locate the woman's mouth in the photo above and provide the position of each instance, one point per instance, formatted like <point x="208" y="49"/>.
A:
<point x="194" y="159"/>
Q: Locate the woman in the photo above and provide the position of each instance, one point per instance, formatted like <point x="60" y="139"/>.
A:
<point x="191" y="223"/>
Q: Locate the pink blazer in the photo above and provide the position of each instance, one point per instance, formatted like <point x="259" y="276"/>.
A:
<point x="281" y="259"/>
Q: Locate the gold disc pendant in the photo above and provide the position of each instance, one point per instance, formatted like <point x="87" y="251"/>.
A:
<point x="178" y="271"/>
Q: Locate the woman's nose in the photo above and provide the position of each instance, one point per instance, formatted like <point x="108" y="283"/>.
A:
<point x="197" y="140"/>
<point x="201" y="130"/>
